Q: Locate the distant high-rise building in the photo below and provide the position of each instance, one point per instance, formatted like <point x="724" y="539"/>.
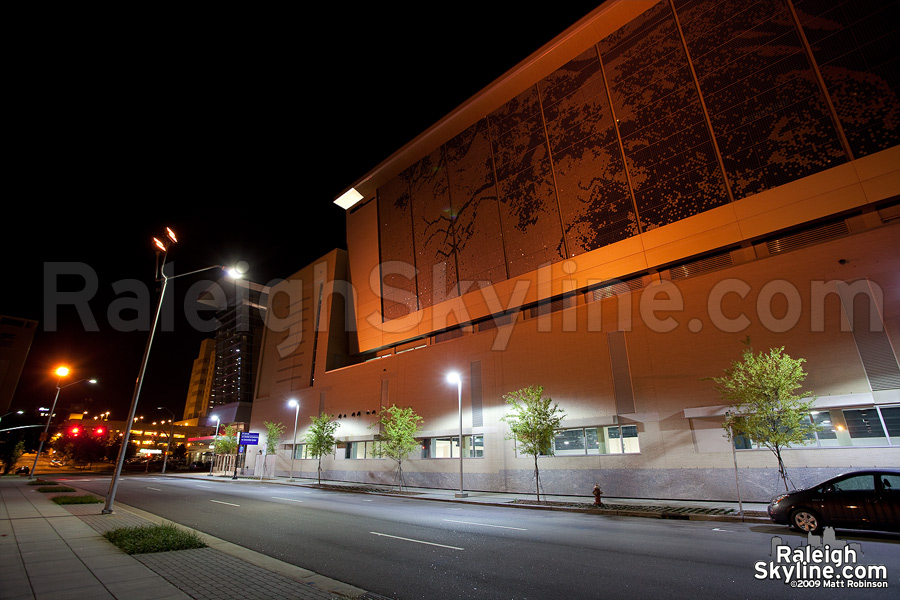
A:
<point x="197" y="402"/>
<point x="241" y="306"/>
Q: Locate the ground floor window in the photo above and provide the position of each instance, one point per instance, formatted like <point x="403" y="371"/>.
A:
<point x="448" y="447"/>
<point x="611" y="439"/>
<point x="301" y="451"/>
<point x="361" y="450"/>
<point x="846" y="427"/>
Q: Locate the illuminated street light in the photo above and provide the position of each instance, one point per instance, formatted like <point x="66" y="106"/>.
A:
<point x="163" y="246"/>
<point x="454" y="378"/>
<point x="295" y="405"/>
<point x="215" y="439"/>
<point x="60" y="373"/>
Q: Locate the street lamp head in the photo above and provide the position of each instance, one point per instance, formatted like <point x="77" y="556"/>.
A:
<point x="453" y="377"/>
<point x="293" y="403"/>
<point x="171" y="235"/>
<point x="62" y="371"/>
<point x="92" y="381"/>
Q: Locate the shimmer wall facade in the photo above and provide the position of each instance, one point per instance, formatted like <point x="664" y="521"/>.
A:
<point x="692" y="105"/>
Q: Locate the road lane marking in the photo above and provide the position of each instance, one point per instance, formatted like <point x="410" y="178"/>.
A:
<point x="396" y="537"/>
<point x="220" y="502"/>
<point x="485" y="525"/>
<point x="154" y="489"/>
<point x="288" y="499"/>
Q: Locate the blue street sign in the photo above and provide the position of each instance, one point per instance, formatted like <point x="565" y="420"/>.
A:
<point x="248" y="439"/>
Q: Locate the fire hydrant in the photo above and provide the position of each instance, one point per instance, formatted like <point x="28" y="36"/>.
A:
<point x="597" y="494"/>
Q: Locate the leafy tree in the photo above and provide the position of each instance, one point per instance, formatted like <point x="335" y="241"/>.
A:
<point x="274" y="431"/>
<point x="761" y="392"/>
<point x="399" y="427"/>
<point x="320" y="439"/>
<point x="533" y="422"/>
<point x="226" y="443"/>
<point x="10" y="453"/>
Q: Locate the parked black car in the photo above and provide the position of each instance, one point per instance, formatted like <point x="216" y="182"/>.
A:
<point x="856" y="500"/>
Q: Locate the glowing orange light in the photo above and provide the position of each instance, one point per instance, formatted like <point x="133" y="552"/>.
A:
<point x="159" y="244"/>
<point x="62" y="371"/>
<point x="171" y="234"/>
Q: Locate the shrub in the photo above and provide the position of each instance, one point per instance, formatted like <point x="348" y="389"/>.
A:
<point x="86" y="499"/>
<point x="51" y="488"/>
<point x="153" y="538"/>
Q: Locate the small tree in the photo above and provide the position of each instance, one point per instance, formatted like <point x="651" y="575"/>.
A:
<point x="399" y="428"/>
<point x="226" y="443"/>
<point x="274" y="431"/>
<point x="320" y="439"/>
<point x="760" y="389"/>
<point x="533" y="422"/>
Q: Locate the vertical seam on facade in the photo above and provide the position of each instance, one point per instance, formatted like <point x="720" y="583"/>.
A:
<point x="562" y="225"/>
<point x="490" y="140"/>
<point x="706" y="119"/>
<point x="453" y="217"/>
<point x="615" y="121"/>
<point x="820" y="81"/>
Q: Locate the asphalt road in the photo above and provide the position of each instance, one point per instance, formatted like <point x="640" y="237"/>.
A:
<point x="415" y="549"/>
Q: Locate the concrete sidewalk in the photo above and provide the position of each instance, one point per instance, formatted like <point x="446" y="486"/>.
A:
<point x="58" y="552"/>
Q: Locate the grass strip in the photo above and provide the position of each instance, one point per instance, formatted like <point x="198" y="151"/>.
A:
<point x="86" y="499"/>
<point x="51" y="488"/>
<point x="153" y="538"/>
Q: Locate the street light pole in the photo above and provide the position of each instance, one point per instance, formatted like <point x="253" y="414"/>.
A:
<point x="171" y="432"/>
<point x="215" y="440"/>
<point x="296" y="406"/>
<point x="60" y="373"/>
<point x="161" y="275"/>
<point x="455" y="378"/>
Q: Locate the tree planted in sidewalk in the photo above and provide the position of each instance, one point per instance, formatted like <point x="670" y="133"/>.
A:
<point x="763" y="404"/>
<point x="274" y="431"/>
<point x="320" y="439"/>
<point x="533" y="421"/>
<point x="399" y="428"/>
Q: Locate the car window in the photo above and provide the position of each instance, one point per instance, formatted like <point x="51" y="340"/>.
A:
<point x="856" y="483"/>
<point x="891" y="483"/>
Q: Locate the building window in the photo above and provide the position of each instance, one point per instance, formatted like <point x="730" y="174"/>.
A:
<point x="846" y="428"/>
<point x="301" y="451"/>
<point x="448" y="447"/>
<point x="361" y="450"/>
<point x="611" y="439"/>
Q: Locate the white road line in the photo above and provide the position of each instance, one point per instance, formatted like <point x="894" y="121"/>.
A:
<point x="154" y="489"/>
<point x="416" y="541"/>
<point x="220" y="502"/>
<point x="485" y="525"/>
<point x="288" y="499"/>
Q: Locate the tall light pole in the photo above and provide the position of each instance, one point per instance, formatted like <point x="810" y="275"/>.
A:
<point x="163" y="252"/>
<point x="171" y="432"/>
<point x="215" y="439"/>
<point x="296" y="406"/>
<point x="60" y="373"/>
<point x="455" y="378"/>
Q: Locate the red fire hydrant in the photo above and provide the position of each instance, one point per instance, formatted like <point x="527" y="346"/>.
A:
<point x="597" y="493"/>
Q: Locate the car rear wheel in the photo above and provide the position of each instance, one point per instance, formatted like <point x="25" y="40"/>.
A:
<point x="806" y="520"/>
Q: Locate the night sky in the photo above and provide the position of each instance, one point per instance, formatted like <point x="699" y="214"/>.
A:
<point x="218" y="125"/>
